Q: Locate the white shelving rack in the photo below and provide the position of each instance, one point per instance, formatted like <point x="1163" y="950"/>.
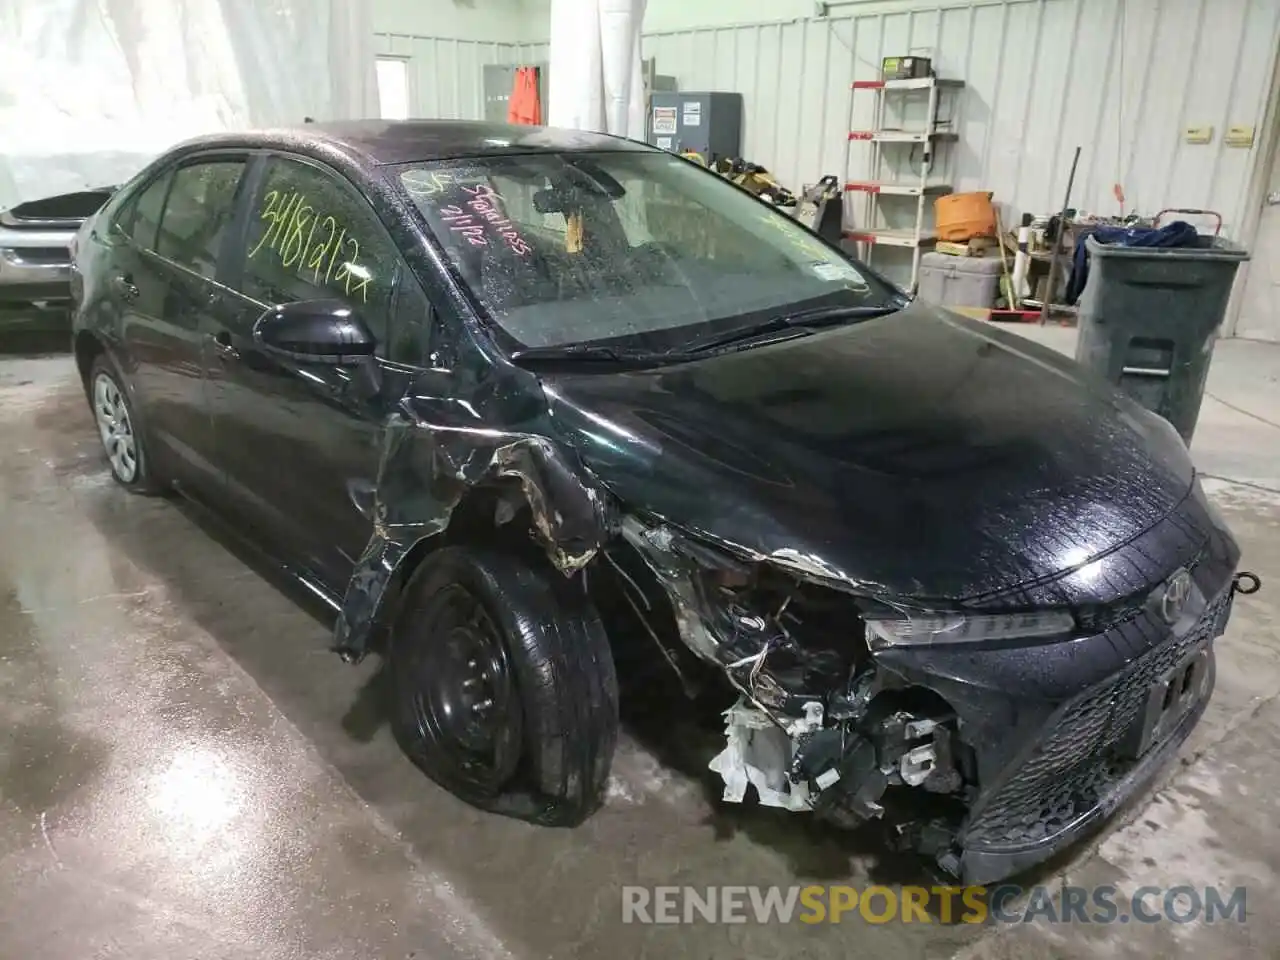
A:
<point x="874" y="230"/>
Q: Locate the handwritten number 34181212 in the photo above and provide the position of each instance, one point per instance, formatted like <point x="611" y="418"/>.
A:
<point x="302" y="239"/>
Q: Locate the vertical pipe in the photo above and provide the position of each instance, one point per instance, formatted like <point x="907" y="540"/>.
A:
<point x="1022" y="262"/>
<point x="623" y="83"/>
<point x="1057" y="242"/>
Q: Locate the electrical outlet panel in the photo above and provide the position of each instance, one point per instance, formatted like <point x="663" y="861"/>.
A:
<point x="1239" y="137"/>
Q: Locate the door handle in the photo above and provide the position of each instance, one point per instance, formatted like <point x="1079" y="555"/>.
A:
<point x="223" y="347"/>
<point x="124" y="286"/>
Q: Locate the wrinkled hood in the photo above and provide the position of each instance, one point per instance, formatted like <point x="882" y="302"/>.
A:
<point x="919" y="454"/>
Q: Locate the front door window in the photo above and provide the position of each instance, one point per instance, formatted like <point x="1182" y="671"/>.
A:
<point x="311" y="237"/>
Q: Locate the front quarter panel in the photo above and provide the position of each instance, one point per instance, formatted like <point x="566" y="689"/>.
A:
<point x="460" y="428"/>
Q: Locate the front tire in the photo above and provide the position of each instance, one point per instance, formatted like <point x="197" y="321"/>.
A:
<point x="117" y="429"/>
<point x="505" y="691"/>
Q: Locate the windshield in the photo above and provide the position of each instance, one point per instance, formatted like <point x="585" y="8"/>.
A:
<point x="630" y="249"/>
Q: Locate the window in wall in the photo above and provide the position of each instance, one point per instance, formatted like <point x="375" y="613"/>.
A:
<point x="197" y="214"/>
<point x="393" y="88"/>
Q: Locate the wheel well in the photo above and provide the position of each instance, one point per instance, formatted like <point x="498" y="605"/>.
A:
<point x="87" y="348"/>
<point x="488" y="513"/>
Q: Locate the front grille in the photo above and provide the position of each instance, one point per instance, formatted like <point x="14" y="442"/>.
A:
<point x="1079" y="760"/>
<point x="43" y="256"/>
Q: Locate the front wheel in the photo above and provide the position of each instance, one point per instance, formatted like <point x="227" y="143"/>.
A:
<point x="505" y="691"/>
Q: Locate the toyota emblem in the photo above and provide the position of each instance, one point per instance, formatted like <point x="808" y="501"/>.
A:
<point x="1177" y="591"/>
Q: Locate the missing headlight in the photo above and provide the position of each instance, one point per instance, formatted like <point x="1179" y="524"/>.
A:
<point x="781" y="641"/>
<point x="818" y="726"/>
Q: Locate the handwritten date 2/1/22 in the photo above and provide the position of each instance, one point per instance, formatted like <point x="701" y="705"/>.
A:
<point x="305" y="241"/>
<point x="478" y="218"/>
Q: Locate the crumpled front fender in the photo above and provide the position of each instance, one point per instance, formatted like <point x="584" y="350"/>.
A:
<point x="436" y="450"/>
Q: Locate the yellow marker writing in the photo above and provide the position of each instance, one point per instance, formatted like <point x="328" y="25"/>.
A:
<point x="268" y="213"/>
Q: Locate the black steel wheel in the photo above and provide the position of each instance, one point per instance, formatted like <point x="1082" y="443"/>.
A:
<point x="463" y="693"/>
<point x="505" y="692"/>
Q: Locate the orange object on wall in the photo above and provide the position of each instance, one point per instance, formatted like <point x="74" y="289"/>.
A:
<point x="524" y="106"/>
<point x="963" y="216"/>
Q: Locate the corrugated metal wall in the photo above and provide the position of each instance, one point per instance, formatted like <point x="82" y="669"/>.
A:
<point x="445" y="75"/>
<point x="1121" y="78"/>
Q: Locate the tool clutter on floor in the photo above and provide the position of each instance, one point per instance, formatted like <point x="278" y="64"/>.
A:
<point x="980" y="266"/>
<point x="963" y="269"/>
<point x="755" y="179"/>
<point x="819" y="209"/>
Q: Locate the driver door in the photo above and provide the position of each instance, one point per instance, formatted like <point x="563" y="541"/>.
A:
<point x="300" y="441"/>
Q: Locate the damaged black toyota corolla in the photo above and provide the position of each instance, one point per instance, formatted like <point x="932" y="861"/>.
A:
<point x="513" y="399"/>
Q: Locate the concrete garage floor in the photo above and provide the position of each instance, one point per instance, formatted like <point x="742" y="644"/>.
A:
<point x="185" y="771"/>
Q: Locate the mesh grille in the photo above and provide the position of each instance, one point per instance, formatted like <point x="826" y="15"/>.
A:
<point x="44" y="255"/>
<point x="1078" y="761"/>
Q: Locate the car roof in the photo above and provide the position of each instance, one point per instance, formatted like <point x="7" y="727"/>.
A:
<point x="379" y="142"/>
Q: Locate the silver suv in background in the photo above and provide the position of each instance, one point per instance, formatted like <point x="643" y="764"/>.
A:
<point x="35" y="246"/>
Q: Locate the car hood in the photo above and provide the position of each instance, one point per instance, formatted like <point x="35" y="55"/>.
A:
<point x="919" y="454"/>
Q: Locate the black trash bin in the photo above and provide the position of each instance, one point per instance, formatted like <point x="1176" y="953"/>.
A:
<point x="1148" y="319"/>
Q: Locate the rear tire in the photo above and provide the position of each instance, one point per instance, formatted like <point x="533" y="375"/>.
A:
<point x="505" y="691"/>
<point x="117" y="425"/>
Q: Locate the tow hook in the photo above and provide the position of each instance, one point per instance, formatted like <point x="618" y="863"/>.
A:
<point x="1246" y="583"/>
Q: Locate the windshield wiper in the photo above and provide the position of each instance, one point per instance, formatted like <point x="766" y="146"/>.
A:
<point x="589" y="352"/>
<point x="813" y="317"/>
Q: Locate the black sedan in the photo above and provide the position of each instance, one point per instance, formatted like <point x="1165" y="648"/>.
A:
<point x="521" y="404"/>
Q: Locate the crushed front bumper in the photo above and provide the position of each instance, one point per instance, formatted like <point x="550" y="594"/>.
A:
<point x="1083" y="766"/>
<point x="1063" y="734"/>
<point x="986" y="862"/>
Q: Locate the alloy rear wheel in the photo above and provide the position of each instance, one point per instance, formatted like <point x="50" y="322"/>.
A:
<point x="118" y="429"/>
<point x="115" y="428"/>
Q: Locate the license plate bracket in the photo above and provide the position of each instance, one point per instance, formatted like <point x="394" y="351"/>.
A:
<point x="1169" y="700"/>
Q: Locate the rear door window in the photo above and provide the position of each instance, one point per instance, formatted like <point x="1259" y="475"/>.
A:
<point x="198" y="213"/>
<point x="142" y="217"/>
<point x="146" y="213"/>
<point x="313" y="237"/>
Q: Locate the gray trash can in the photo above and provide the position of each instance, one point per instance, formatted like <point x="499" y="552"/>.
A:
<point x="1148" y="320"/>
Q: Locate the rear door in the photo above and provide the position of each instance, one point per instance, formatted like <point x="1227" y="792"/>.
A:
<point x="173" y="291"/>
<point x="131" y="286"/>
<point x="300" y="442"/>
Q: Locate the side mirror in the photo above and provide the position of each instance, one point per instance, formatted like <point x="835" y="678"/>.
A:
<point x="315" y="331"/>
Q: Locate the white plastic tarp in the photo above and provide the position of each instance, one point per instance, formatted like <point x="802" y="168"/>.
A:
<point x="596" y="79"/>
<point x="91" y="90"/>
